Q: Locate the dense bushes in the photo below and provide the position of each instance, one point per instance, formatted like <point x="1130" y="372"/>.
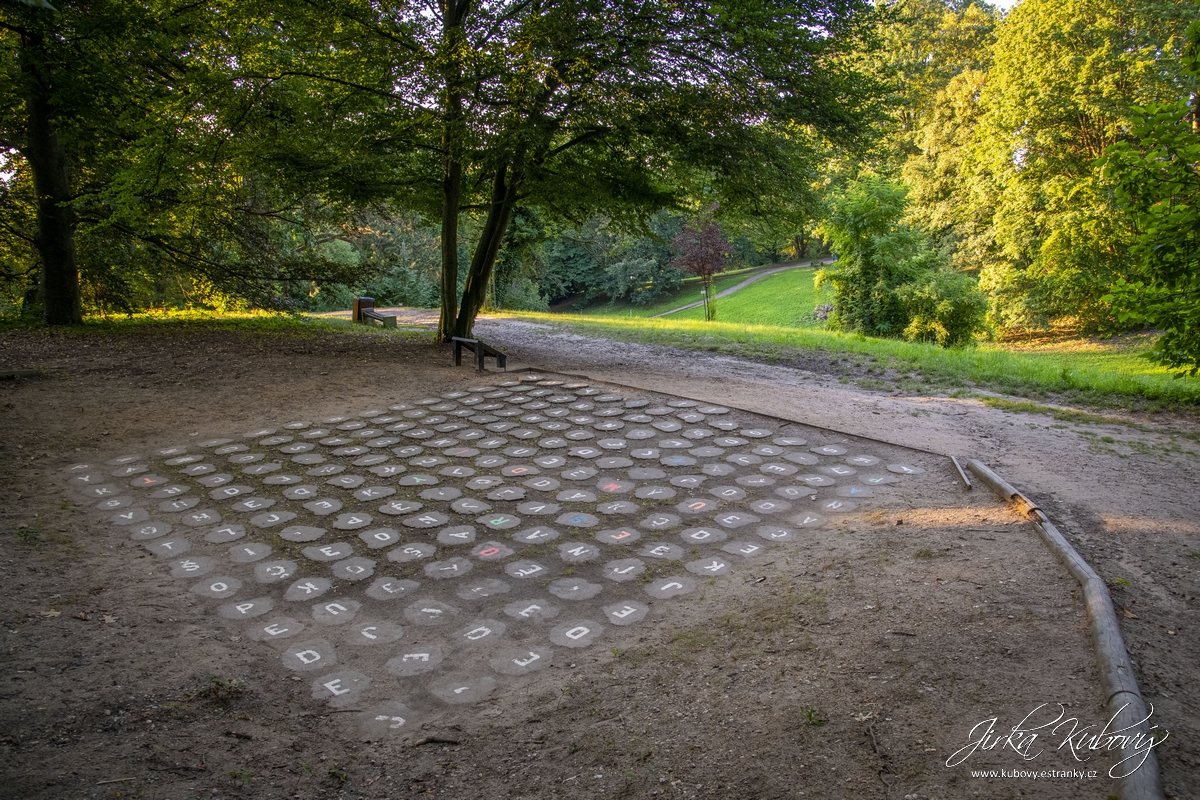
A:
<point x="888" y="279"/>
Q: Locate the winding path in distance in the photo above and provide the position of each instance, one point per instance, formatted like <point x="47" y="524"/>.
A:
<point x="747" y="282"/>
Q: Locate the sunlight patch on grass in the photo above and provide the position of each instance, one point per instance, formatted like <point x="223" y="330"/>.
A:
<point x="785" y="298"/>
<point x="1114" y="373"/>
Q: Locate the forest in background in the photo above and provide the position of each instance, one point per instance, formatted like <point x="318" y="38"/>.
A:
<point x="974" y="171"/>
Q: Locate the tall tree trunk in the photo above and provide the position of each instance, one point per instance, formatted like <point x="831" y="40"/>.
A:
<point x="454" y="12"/>
<point x="56" y="222"/>
<point x="504" y="200"/>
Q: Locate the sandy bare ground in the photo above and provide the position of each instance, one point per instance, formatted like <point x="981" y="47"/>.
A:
<point x="1131" y="505"/>
<point x="801" y="680"/>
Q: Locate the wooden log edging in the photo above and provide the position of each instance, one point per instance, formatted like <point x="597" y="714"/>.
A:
<point x="1123" y="699"/>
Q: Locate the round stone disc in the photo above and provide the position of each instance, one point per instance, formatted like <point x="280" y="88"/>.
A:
<point x="248" y="553"/>
<point x="219" y="587"/>
<point x="671" y="587"/>
<point x="385" y="720"/>
<point x="703" y="535"/>
<point x="455" y="567"/>
<point x="463" y="689"/>
<point x="619" y="536"/>
<point x="537" y="535"/>
<point x="390" y="588"/>
<point x="576" y="633"/>
<point x="745" y="549"/>
<point x="905" y="469"/>
<point x="574" y="589"/>
<point x="328" y="552"/>
<point x="459" y="534"/>
<point x="669" y="552"/>
<point x="624" y="569"/>
<point x="708" y="567"/>
<point x="274" y="571"/>
<point x="308" y="656"/>
<point x="247" y="609"/>
<point x="578" y="520"/>
<point x="307" y="589"/>
<point x="380" y="537"/>
<point x="370" y="633"/>
<point x="478" y="589"/>
<point x="354" y="569"/>
<point x="272" y="518"/>
<point x="169" y="548"/>
<point x="573" y="552"/>
<point x="520" y="661"/>
<point x="225" y="533"/>
<point x="335" y="612"/>
<point x="414" y="551"/>
<point x="430" y="612"/>
<point x="277" y="628"/>
<point x="340" y="689"/>
<point x="149" y="530"/>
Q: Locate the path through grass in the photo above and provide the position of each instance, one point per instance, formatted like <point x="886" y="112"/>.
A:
<point x="1103" y="374"/>
<point x="786" y="298"/>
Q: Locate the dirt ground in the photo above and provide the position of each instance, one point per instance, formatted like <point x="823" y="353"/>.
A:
<point x="851" y="665"/>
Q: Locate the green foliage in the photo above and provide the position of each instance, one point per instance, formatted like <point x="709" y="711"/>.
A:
<point x="1112" y="374"/>
<point x="641" y="281"/>
<point x="888" y="280"/>
<point x="785" y="298"/>
<point x="945" y="307"/>
<point x="1065" y="79"/>
<point x="521" y="294"/>
<point x="1157" y="179"/>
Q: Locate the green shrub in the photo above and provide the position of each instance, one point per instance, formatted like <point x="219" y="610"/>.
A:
<point x="522" y="295"/>
<point x="889" y="280"/>
<point x="944" y="307"/>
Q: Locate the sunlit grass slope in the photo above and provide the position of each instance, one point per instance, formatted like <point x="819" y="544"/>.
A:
<point x="688" y="293"/>
<point x="1106" y="373"/>
<point x="785" y="298"/>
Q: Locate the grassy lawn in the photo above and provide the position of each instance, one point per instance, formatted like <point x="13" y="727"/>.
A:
<point x="182" y="322"/>
<point x="786" y="298"/>
<point x="1102" y="374"/>
<point x="688" y="293"/>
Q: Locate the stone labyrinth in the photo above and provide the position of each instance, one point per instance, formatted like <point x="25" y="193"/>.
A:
<point x="423" y="553"/>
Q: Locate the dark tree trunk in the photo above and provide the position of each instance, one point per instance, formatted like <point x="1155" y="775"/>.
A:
<point x="801" y="244"/>
<point x="454" y="12"/>
<point x="452" y="187"/>
<point x="55" y="237"/>
<point x="504" y="200"/>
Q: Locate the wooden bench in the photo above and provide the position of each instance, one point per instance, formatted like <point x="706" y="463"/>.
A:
<point x="371" y="315"/>
<point x="362" y="309"/>
<point x="481" y="351"/>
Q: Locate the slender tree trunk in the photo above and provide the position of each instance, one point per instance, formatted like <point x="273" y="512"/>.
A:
<point x="56" y="222"/>
<point x="453" y="14"/>
<point x="504" y="200"/>
<point x="710" y="300"/>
